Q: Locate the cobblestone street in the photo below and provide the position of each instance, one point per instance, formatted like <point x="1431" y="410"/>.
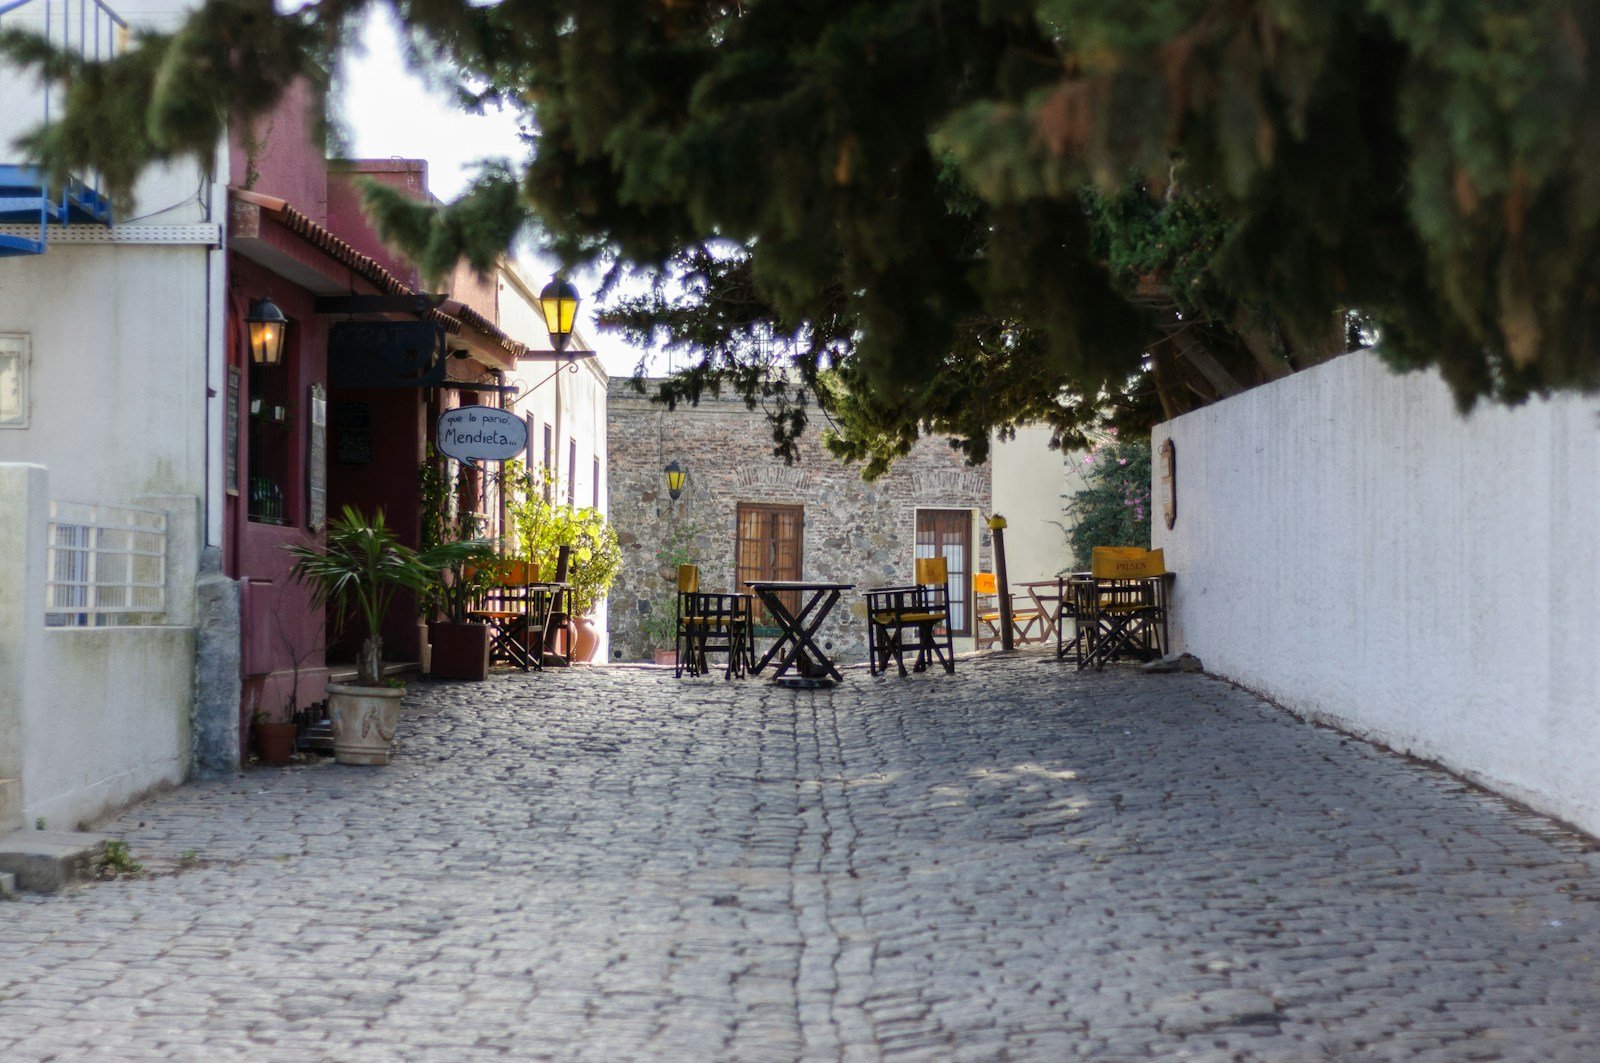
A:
<point x="1017" y="862"/>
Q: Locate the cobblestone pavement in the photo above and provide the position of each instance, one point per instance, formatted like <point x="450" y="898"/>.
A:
<point x="1013" y="863"/>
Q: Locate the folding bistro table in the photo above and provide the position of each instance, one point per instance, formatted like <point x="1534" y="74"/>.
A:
<point x="796" y="647"/>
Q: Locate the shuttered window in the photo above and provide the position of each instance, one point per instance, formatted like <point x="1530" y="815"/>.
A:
<point x="948" y="532"/>
<point x="769" y="544"/>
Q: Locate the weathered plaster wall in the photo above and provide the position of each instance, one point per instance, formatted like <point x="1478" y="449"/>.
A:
<point x="855" y="532"/>
<point x="348" y="218"/>
<point x="119" y="342"/>
<point x="1351" y="546"/>
<point x="90" y="718"/>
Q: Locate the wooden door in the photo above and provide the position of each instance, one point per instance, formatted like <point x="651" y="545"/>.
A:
<point x="769" y="545"/>
<point x="948" y="533"/>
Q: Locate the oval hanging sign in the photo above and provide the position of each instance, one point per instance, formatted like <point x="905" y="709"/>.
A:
<point x="480" y="433"/>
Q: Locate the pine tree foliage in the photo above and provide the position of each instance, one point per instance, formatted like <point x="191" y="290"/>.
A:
<point x="946" y="217"/>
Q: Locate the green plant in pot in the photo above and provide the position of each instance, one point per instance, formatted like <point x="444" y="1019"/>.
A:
<point x="594" y="556"/>
<point x="358" y="570"/>
<point x="460" y="647"/>
<point x="660" y="629"/>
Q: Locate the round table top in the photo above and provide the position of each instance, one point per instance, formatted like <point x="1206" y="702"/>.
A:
<point x="796" y="585"/>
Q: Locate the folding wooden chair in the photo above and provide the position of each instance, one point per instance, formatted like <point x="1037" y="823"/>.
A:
<point x="710" y="622"/>
<point x="558" y="597"/>
<point x="1122" y="607"/>
<point x="517" y="617"/>
<point x="1028" y="621"/>
<point x="915" y="617"/>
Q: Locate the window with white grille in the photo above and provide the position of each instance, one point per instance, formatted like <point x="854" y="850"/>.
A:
<point x="107" y="566"/>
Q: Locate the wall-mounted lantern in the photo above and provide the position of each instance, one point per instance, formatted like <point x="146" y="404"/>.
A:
<point x="675" y="477"/>
<point x="559" y="305"/>
<point x="268" y="328"/>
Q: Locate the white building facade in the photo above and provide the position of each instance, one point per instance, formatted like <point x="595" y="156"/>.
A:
<point x="111" y="430"/>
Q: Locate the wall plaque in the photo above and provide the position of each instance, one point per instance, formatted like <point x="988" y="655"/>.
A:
<point x="230" y="474"/>
<point x="317" y="459"/>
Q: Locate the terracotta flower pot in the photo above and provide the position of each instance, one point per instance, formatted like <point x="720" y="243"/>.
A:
<point x="667" y="657"/>
<point x="586" y="640"/>
<point x="275" y="743"/>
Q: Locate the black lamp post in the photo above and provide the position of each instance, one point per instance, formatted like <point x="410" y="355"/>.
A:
<point x="675" y="477"/>
<point x="559" y="304"/>
<point x="268" y="327"/>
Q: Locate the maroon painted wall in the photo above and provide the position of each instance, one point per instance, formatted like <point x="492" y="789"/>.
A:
<point x="282" y="159"/>
<point x="282" y="624"/>
<point x="347" y="217"/>
<point x="389" y="482"/>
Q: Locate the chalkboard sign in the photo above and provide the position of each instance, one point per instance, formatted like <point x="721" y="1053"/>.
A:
<point x="230" y="476"/>
<point x="355" y="433"/>
<point x="317" y="459"/>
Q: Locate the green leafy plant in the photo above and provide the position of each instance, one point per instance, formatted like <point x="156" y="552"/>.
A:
<point x="466" y="574"/>
<point x="660" y="624"/>
<point x="1113" y="509"/>
<point x="678" y="547"/>
<point x="359" y="570"/>
<point x="539" y="528"/>
<point x="470" y="572"/>
<point x="116" y="861"/>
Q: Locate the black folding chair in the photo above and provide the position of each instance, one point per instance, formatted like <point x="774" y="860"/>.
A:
<point x="711" y="622"/>
<point x="901" y="620"/>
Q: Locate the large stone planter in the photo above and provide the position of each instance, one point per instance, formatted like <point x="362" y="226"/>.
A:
<point x="364" y="719"/>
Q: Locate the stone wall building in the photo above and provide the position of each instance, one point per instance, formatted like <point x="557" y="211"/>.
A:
<point x="744" y="512"/>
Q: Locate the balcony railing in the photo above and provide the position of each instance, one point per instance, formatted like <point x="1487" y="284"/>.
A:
<point x="92" y="31"/>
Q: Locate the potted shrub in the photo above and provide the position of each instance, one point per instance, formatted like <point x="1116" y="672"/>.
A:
<point x="358" y="571"/>
<point x="542" y="528"/>
<point x="460" y="648"/>
<point x="660" y="630"/>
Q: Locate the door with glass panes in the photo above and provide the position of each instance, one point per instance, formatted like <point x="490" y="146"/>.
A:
<point x="948" y="532"/>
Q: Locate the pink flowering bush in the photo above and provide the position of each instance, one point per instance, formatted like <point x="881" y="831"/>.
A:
<point x="1114" y="509"/>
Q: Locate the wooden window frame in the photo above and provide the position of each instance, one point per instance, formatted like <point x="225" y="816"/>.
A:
<point x="767" y="566"/>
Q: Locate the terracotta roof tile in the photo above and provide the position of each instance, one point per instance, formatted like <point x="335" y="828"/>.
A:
<point x="367" y="267"/>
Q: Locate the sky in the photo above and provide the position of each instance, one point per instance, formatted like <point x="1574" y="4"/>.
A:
<point x="389" y="112"/>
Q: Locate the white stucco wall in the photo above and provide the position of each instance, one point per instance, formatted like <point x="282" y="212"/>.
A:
<point x="166" y="194"/>
<point x="1352" y="547"/>
<point x="1031" y="486"/>
<point x="118" y="380"/>
<point x="89" y="718"/>
<point x="572" y="404"/>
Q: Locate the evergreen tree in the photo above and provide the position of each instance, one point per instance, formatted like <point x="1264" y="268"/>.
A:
<point x="950" y="216"/>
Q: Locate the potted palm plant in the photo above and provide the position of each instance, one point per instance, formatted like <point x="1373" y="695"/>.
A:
<point x="359" y="569"/>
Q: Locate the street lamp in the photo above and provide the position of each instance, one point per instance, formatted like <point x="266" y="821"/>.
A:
<point x="675" y="477"/>
<point x="267" y="327"/>
<point x="559" y="304"/>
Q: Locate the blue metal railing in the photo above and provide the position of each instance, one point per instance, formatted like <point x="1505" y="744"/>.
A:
<point x="94" y="32"/>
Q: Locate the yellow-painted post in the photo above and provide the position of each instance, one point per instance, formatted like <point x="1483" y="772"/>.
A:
<point x="997" y="527"/>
